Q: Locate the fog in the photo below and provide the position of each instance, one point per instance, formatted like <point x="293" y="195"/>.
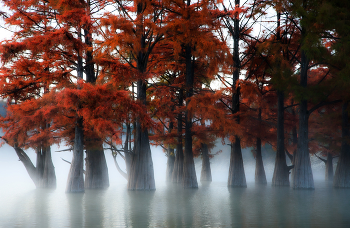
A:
<point x="14" y="175"/>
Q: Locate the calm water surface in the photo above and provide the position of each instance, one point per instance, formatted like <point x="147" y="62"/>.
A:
<point x="212" y="205"/>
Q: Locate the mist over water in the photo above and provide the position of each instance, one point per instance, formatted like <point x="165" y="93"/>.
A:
<point x="211" y="205"/>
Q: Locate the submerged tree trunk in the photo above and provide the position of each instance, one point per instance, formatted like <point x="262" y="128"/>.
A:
<point x="43" y="175"/>
<point x="179" y="156"/>
<point x="75" y="182"/>
<point x="329" y="168"/>
<point x="342" y="172"/>
<point x="260" y="176"/>
<point x="46" y="172"/>
<point x="206" y="170"/>
<point x="141" y="175"/>
<point x="189" y="172"/>
<point x="236" y="171"/>
<point x="170" y="158"/>
<point x="236" y="176"/>
<point x="127" y="148"/>
<point x="302" y="178"/>
<point x="96" y="175"/>
<point x="281" y="171"/>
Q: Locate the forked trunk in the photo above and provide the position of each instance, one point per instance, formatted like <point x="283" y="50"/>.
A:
<point x="236" y="176"/>
<point x="206" y="170"/>
<point x="96" y="174"/>
<point x="281" y="171"/>
<point x="43" y="175"/>
<point x="260" y="176"/>
<point x="342" y="172"/>
<point x="75" y="182"/>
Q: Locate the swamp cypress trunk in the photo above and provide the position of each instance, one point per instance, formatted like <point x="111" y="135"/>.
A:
<point x="96" y="175"/>
<point x="170" y="164"/>
<point x="179" y="156"/>
<point x="127" y="148"/>
<point x="206" y="170"/>
<point x="75" y="182"/>
<point x="260" y="176"/>
<point x="189" y="172"/>
<point x="236" y="171"/>
<point x="342" y="172"/>
<point x="141" y="175"/>
<point x="329" y="168"/>
<point x="171" y="158"/>
<point x="302" y="178"/>
<point x="43" y="175"/>
<point x="47" y="176"/>
<point x="281" y="171"/>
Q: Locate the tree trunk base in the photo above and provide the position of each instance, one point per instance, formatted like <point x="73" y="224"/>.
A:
<point x="96" y="175"/>
<point x="236" y="177"/>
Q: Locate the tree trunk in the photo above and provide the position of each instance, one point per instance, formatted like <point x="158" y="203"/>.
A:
<point x="170" y="164"/>
<point x="127" y="149"/>
<point x="236" y="176"/>
<point x="75" y="182"/>
<point x="141" y="175"/>
<point x="342" y="172"/>
<point x="179" y="157"/>
<point x="303" y="178"/>
<point x="260" y="176"/>
<point x="206" y="170"/>
<point x="46" y="172"/>
<point x="329" y="168"/>
<point x="171" y="158"/>
<point x="281" y="171"/>
<point x="28" y="165"/>
<point x="96" y="175"/>
<point x="189" y="172"/>
<point x="236" y="171"/>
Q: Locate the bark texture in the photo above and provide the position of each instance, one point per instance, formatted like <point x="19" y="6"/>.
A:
<point x="236" y="176"/>
<point x="96" y="175"/>
<point x="75" y="182"/>
<point x="206" y="170"/>
<point x="281" y="171"/>
<point x="260" y="176"/>
<point x="342" y="172"/>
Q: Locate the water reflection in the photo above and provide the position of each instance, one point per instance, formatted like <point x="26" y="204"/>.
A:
<point x="212" y="205"/>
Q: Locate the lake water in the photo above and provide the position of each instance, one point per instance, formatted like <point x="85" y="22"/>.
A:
<point x="212" y="205"/>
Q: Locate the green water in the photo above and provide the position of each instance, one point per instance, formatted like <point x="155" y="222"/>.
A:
<point x="213" y="205"/>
